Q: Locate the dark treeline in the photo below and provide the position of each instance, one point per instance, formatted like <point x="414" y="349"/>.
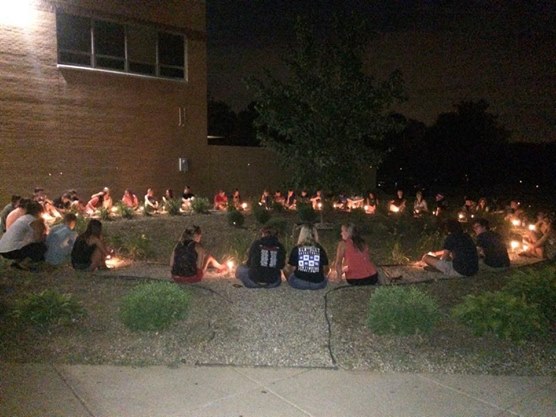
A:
<point x="466" y="148"/>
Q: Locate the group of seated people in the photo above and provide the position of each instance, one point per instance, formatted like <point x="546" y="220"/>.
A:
<point x="28" y="241"/>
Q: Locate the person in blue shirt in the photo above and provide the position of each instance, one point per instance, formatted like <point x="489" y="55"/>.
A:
<point x="60" y="240"/>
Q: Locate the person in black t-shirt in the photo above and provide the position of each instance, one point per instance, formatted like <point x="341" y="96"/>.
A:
<point x="490" y="246"/>
<point x="458" y="256"/>
<point x="308" y="262"/>
<point x="267" y="257"/>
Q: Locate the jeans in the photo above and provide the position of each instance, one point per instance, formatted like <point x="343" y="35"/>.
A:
<point x="301" y="284"/>
<point x="242" y="273"/>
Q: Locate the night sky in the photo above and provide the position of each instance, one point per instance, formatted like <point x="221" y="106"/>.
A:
<point x="448" y="51"/>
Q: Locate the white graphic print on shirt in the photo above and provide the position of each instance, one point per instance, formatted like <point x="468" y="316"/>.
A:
<point x="308" y="259"/>
<point x="269" y="256"/>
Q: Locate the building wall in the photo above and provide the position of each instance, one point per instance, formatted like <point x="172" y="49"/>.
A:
<point x="64" y="128"/>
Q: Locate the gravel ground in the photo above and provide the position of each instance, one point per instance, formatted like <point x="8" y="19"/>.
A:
<point x="229" y="324"/>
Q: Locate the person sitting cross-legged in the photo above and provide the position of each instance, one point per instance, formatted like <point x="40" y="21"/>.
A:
<point x="458" y="256"/>
<point x="491" y="248"/>
<point x="60" y="241"/>
<point x="267" y="257"/>
<point x="308" y="262"/>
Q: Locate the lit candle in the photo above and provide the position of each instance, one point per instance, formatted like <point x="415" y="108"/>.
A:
<point x="516" y="222"/>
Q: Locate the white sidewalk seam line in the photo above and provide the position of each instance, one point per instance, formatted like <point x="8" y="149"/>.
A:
<point x="73" y="391"/>
<point x="469" y="395"/>
<point x="543" y="386"/>
<point x="301" y="372"/>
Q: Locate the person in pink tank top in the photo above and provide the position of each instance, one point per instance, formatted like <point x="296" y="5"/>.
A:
<point x="353" y="259"/>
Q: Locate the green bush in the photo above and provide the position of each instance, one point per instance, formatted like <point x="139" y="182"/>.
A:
<point x="398" y="256"/>
<point x="401" y="311"/>
<point x="306" y="213"/>
<point x="503" y="314"/>
<point x="279" y="224"/>
<point x="277" y="207"/>
<point x="134" y="246"/>
<point x="536" y="286"/>
<point x="262" y="215"/>
<point x="173" y="206"/>
<point x="125" y="211"/>
<point x="154" y="306"/>
<point x="105" y="214"/>
<point x="47" y="307"/>
<point x="200" y="205"/>
<point x="238" y="247"/>
<point x="235" y="218"/>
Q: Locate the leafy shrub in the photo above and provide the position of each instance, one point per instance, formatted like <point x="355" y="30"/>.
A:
<point x="279" y="224"/>
<point x="429" y="241"/>
<point x="173" y="206"/>
<point x="235" y="218"/>
<point x="238" y="247"/>
<point x="306" y="213"/>
<point x="200" y="205"/>
<point x="81" y="224"/>
<point x="277" y="207"/>
<point x="154" y="306"/>
<point x="503" y="314"/>
<point x="125" y="211"/>
<point x="105" y="214"/>
<point x="536" y="286"/>
<point x="47" y="307"/>
<point x="358" y="216"/>
<point x="135" y="246"/>
<point x="262" y="215"/>
<point x="398" y="256"/>
<point x="401" y="311"/>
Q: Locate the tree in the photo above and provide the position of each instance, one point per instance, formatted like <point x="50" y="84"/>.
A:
<point x="467" y="146"/>
<point x="327" y="120"/>
<point x="221" y="118"/>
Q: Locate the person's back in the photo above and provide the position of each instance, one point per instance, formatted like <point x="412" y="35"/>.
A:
<point x="185" y="259"/>
<point x="358" y="262"/>
<point x="496" y="254"/>
<point x="18" y="235"/>
<point x="267" y="257"/>
<point x="464" y="253"/>
<point x="60" y="243"/>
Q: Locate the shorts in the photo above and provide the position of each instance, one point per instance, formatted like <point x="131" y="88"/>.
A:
<point x="447" y="268"/>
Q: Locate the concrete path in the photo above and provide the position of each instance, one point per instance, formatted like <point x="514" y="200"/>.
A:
<point x="81" y="390"/>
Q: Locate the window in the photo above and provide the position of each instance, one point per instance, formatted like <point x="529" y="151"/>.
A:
<point x="102" y="44"/>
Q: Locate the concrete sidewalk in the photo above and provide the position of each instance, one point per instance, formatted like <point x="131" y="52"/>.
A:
<point x="83" y="390"/>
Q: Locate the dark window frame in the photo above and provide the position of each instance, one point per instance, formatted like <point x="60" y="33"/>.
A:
<point x="130" y="67"/>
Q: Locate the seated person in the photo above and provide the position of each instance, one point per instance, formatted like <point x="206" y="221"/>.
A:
<point x="420" y="205"/>
<point x="458" y="256"/>
<point x="341" y="203"/>
<point x="76" y="203"/>
<point x="279" y="198"/>
<point x="220" y="201"/>
<point x="107" y="200"/>
<point x="398" y="204"/>
<point x="291" y="201"/>
<point x="304" y="197"/>
<point x="167" y="198"/>
<point x="371" y="203"/>
<point x="441" y="205"/>
<point x="540" y="237"/>
<point x="308" y="263"/>
<point x="63" y="203"/>
<point x="24" y="239"/>
<point x="11" y="206"/>
<point x="514" y="213"/>
<point x="89" y="251"/>
<point x="151" y="203"/>
<point x="49" y="210"/>
<point x="18" y="212"/>
<point x="490" y="246"/>
<point x="236" y="199"/>
<point x="267" y="257"/>
<point x="355" y="201"/>
<point x="266" y="200"/>
<point x="316" y="200"/>
<point x="190" y="259"/>
<point x="95" y="203"/>
<point x="353" y="258"/>
<point x="60" y="240"/>
<point x="482" y="206"/>
<point x="130" y="199"/>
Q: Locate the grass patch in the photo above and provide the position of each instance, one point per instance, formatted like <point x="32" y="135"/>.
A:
<point x="154" y="306"/>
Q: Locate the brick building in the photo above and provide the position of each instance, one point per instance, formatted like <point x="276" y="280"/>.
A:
<point x="97" y="93"/>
